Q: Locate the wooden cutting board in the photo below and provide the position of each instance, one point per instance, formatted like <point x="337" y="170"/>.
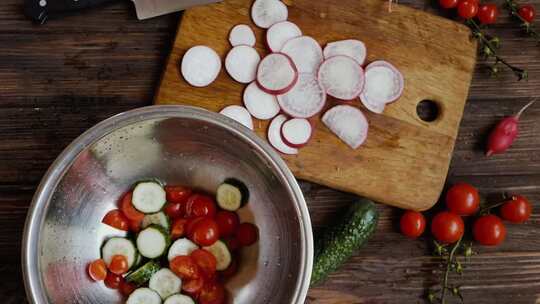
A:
<point x="405" y="160"/>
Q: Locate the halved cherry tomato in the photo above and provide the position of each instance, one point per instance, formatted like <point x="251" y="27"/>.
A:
<point x="412" y="224"/>
<point x="119" y="264"/>
<point x="174" y="210"/>
<point x="177" y="194"/>
<point x="231" y="270"/>
<point x="129" y="211"/>
<point x="97" y="270"/>
<point x="115" y="218"/>
<point x="232" y="244"/>
<point x="212" y="293"/>
<point x="193" y="286"/>
<point x="113" y="281"/>
<point x="190" y="225"/>
<point x="135" y="226"/>
<point x="185" y="267"/>
<point x="467" y="9"/>
<point x="126" y="288"/>
<point x="463" y="199"/>
<point x="247" y="234"/>
<point x="205" y="232"/>
<point x="489" y="230"/>
<point x="178" y="228"/>
<point x="200" y="205"/>
<point x="227" y="222"/>
<point x="205" y="260"/>
<point x="447" y="227"/>
<point x="517" y="210"/>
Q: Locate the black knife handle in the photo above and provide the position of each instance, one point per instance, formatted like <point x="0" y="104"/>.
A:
<point x="41" y="10"/>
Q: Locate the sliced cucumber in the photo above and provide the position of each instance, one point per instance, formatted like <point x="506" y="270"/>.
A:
<point x="148" y="197"/>
<point x="179" y="299"/>
<point x="158" y="218"/>
<point x="181" y="246"/>
<point x="221" y="253"/>
<point x="153" y="241"/>
<point x="143" y="273"/>
<point x="119" y="246"/>
<point x="165" y="282"/>
<point x="232" y="194"/>
<point x="144" y="295"/>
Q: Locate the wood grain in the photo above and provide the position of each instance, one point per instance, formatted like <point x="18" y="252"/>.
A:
<point x="403" y="156"/>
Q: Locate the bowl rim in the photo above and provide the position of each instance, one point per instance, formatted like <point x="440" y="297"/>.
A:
<point x="35" y="291"/>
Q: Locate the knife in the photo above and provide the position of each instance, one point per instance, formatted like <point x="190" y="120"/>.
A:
<point x="42" y="10"/>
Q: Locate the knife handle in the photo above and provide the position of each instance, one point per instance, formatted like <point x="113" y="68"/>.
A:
<point x="41" y="10"/>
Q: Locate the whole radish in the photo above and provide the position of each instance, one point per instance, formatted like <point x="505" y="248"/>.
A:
<point x="504" y="134"/>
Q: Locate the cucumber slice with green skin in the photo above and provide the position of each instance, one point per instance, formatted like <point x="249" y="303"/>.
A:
<point x="119" y="246"/>
<point x="143" y="295"/>
<point x="339" y="242"/>
<point x="148" y="197"/>
<point x="158" y="218"/>
<point x="153" y="241"/>
<point x="179" y="299"/>
<point x="143" y="273"/>
<point x="232" y="194"/>
<point x="181" y="246"/>
<point x="165" y="283"/>
<point x="221" y="253"/>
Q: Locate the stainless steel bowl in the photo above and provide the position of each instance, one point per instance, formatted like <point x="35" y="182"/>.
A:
<point x="179" y="145"/>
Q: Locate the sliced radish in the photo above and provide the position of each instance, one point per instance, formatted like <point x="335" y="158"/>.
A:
<point x="276" y="73"/>
<point x="375" y="107"/>
<point x="200" y="66"/>
<point x="274" y="136"/>
<point x="241" y="63"/>
<point x="305" y="99"/>
<point x="260" y="104"/>
<point x="348" y="123"/>
<point x="240" y="114"/>
<point x="305" y="52"/>
<point x="296" y="132"/>
<point x="353" y="48"/>
<point x="265" y="13"/>
<point x="242" y="34"/>
<point x="384" y="84"/>
<point x="341" y="77"/>
<point x="281" y="32"/>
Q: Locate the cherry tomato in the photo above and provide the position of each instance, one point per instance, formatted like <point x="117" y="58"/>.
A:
<point x="185" y="267"/>
<point x="488" y="13"/>
<point x="205" y="232"/>
<point x="200" y="205"/>
<point x="212" y="293"/>
<point x="489" y="230"/>
<point x="174" y="210"/>
<point x="97" y="270"/>
<point x="447" y="227"/>
<point x="205" y="260"/>
<point x="247" y="234"/>
<point x="115" y="218"/>
<point x="126" y="288"/>
<point x="463" y="199"/>
<point x="448" y="3"/>
<point x="135" y="226"/>
<point x="467" y="9"/>
<point x="232" y="243"/>
<point x="230" y="271"/>
<point x="517" y="210"/>
<point x="190" y="225"/>
<point x="113" y="281"/>
<point x="412" y="224"/>
<point x="178" y="228"/>
<point x="193" y="286"/>
<point x="129" y="211"/>
<point x="227" y="222"/>
<point x="527" y="12"/>
<point x="177" y="194"/>
<point x="119" y="264"/>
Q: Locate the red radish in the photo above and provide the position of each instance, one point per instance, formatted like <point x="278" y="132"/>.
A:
<point x="305" y="52"/>
<point x="274" y="135"/>
<point x="341" y="77"/>
<point x="260" y="104"/>
<point x="348" y="123"/>
<point x="353" y="48"/>
<point x="504" y="134"/>
<point x="200" y="66"/>
<point x="306" y="99"/>
<point x="242" y="34"/>
<point x="296" y="132"/>
<point x="384" y="84"/>
<point x="241" y="63"/>
<point x="265" y="13"/>
<point x="276" y="73"/>
<point x="240" y="114"/>
<point x="281" y="32"/>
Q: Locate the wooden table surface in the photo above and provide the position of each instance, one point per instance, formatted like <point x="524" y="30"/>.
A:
<point x="58" y="80"/>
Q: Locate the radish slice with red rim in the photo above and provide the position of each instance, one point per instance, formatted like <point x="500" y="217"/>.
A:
<point x="276" y="73"/>
<point x="306" y="99"/>
<point x="305" y="52"/>
<point x="260" y="104"/>
<point x="383" y="84"/>
<point x="375" y="107"/>
<point x="353" y="48"/>
<point x="296" y="132"/>
<point x="281" y="32"/>
<point x="241" y="63"/>
<point x="265" y="13"/>
<point x="341" y="77"/>
<point x="348" y="123"/>
<point x="200" y="66"/>
<point x="242" y="34"/>
<point x="274" y="136"/>
<point x="238" y="113"/>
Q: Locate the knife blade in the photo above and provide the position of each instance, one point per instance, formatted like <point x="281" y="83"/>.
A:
<point x="152" y="8"/>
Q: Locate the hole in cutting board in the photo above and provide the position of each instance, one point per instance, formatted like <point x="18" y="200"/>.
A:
<point x="428" y="110"/>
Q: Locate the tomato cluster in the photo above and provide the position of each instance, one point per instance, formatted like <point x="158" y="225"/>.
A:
<point x="485" y="13"/>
